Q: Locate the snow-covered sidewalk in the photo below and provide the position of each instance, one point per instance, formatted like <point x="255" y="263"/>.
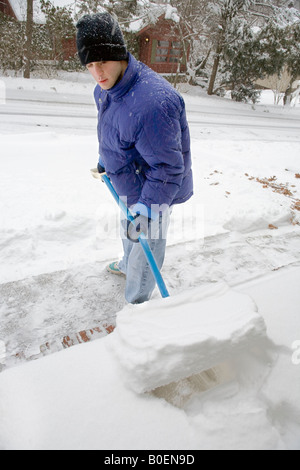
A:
<point x="76" y="399"/>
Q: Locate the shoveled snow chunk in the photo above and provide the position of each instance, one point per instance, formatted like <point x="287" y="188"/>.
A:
<point x="166" y="340"/>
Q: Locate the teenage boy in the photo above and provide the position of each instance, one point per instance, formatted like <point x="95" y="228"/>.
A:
<point x="144" y="145"/>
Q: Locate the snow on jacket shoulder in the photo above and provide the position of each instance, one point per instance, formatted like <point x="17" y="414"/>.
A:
<point x="144" y="140"/>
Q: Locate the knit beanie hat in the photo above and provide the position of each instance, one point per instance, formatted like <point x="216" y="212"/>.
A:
<point x="99" y="38"/>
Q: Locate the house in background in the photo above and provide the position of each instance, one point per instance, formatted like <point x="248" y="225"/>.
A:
<point x="161" y="47"/>
<point x="17" y="9"/>
<point x="160" y="43"/>
<point x="7" y="9"/>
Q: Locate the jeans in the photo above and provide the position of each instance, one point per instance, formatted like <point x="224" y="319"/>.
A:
<point x="140" y="281"/>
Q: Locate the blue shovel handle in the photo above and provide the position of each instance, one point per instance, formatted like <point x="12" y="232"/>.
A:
<point x="142" y="238"/>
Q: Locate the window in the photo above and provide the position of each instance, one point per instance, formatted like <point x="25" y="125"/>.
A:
<point x="166" y="52"/>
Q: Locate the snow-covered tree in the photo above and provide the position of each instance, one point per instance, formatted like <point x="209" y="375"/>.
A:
<point x="59" y="27"/>
<point x="272" y="51"/>
<point x="120" y="8"/>
<point x="213" y="24"/>
<point x="24" y="42"/>
<point x="12" y="43"/>
<point x="221" y="14"/>
<point x="242" y="63"/>
<point x="293" y="59"/>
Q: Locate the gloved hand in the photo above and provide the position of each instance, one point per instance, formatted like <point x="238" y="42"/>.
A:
<point x="100" y="168"/>
<point x="134" y="229"/>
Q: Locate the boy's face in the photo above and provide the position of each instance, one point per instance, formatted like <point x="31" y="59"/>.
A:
<point x="107" y="74"/>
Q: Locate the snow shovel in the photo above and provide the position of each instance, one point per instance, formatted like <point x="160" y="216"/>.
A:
<point x="142" y="238"/>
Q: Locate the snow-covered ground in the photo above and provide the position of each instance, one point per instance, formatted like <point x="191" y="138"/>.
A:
<point x="233" y="252"/>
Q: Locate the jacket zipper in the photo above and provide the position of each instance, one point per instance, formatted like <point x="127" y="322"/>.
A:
<point x="104" y="106"/>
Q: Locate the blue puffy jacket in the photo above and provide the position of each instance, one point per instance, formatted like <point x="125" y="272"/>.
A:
<point x="144" y="141"/>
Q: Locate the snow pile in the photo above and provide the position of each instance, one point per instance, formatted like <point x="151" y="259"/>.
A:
<point x="157" y="344"/>
<point x="77" y="399"/>
<point x="79" y="83"/>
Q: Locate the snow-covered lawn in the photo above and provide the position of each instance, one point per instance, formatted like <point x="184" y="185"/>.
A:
<point x="233" y="252"/>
